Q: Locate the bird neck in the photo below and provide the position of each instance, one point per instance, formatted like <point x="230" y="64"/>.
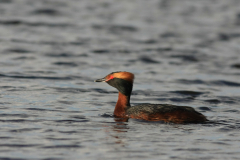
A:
<point x="122" y="104"/>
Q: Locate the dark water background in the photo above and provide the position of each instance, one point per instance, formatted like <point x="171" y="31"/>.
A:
<point x="181" y="52"/>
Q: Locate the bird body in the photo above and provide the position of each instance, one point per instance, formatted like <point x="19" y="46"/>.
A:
<point x="123" y="81"/>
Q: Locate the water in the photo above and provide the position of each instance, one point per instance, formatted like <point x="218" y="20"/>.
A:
<point x="181" y="52"/>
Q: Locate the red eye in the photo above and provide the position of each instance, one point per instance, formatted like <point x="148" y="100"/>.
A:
<point x="111" y="77"/>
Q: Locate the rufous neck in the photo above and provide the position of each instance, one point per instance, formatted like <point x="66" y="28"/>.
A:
<point x="122" y="104"/>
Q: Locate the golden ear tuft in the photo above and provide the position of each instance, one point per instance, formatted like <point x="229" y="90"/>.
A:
<point x="124" y="75"/>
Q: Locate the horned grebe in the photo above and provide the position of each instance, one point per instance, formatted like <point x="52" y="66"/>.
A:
<point x="123" y="81"/>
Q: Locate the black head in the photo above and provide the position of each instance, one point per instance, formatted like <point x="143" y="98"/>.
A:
<point x="123" y="81"/>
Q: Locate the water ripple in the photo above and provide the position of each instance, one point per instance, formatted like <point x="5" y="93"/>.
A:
<point x="33" y="24"/>
<point x="37" y="77"/>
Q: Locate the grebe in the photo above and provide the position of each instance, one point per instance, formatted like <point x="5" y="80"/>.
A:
<point x="123" y="82"/>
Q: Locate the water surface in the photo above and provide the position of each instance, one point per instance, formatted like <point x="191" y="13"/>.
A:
<point x="182" y="53"/>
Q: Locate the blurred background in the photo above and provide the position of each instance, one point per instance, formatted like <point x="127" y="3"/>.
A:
<point x="181" y="52"/>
